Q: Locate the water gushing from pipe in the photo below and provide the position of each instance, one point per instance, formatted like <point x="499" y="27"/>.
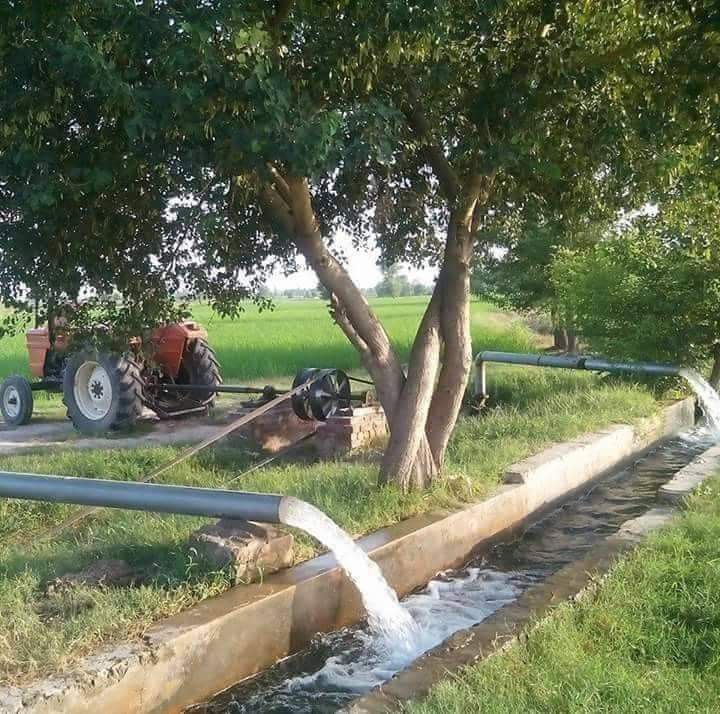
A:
<point x="387" y="619"/>
<point x="708" y="397"/>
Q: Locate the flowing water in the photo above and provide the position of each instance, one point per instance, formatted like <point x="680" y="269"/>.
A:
<point x="708" y="397"/>
<point x="388" y="621"/>
<point x="343" y="665"/>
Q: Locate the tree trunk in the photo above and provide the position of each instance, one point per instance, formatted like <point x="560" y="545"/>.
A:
<point x="454" y="284"/>
<point x="422" y="407"/>
<point x="559" y="336"/>
<point x="560" y="339"/>
<point x="715" y="374"/>
<point x="408" y="460"/>
<point x="571" y="340"/>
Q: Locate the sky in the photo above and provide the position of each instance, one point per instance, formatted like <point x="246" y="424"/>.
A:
<point x="361" y="264"/>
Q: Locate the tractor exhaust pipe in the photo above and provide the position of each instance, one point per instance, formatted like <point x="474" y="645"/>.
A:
<point x="563" y="362"/>
<point x="156" y="498"/>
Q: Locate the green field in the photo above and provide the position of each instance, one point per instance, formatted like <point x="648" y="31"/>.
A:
<point x="301" y="333"/>
<point x="41" y="633"/>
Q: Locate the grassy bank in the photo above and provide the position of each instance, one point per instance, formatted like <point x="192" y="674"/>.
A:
<point x="44" y="630"/>
<point x="648" y="642"/>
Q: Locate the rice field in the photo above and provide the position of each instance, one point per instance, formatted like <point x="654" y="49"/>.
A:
<point x="300" y="333"/>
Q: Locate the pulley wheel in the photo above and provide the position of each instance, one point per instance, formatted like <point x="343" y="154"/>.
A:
<point x="301" y="402"/>
<point x="329" y="392"/>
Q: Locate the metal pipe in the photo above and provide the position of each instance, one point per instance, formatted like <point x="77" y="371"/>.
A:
<point x="532" y="360"/>
<point x="218" y="389"/>
<point x="564" y="362"/>
<point x="157" y="498"/>
<point x="658" y="370"/>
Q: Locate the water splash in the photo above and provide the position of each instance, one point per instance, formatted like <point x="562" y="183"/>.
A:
<point x="449" y="603"/>
<point x="709" y="399"/>
<point x="387" y="619"/>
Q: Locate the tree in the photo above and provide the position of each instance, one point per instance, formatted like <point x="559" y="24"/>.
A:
<point x="261" y="131"/>
<point x="393" y="283"/>
<point x="652" y="292"/>
<point x="514" y="266"/>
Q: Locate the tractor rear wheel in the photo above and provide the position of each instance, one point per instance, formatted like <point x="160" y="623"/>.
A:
<point x="200" y="366"/>
<point x="16" y="400"/>
<point x="102" y="391"/>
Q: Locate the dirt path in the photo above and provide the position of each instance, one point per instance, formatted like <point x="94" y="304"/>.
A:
<point x="60" y="434"/>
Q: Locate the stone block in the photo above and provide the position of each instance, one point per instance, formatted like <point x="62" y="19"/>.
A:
<point x="691" y="476"/>
<point x="250" y="548"/>
<point x="101" y="573"/>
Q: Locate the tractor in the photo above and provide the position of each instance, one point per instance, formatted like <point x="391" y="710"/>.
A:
<point x="105" y="391"/>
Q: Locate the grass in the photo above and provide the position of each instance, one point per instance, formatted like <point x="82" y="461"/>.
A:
<point x="43" y="632"/>
<point x="649" y="641"/>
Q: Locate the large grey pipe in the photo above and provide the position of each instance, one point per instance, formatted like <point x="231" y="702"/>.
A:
<point x="183" y="500"/>
<point x="578" y="362"/>
<point x="565" y="362"/>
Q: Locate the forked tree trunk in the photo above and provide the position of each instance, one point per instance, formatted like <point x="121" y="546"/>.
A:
<point x="715" y="374"/>
<point x="422" y="407"/>
<point x="428" y="407"/>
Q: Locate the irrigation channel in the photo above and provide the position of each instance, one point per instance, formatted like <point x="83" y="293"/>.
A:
<point x="343" y="665"/>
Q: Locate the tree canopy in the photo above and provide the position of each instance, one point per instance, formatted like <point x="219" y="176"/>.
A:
<point x="652" y="292"/>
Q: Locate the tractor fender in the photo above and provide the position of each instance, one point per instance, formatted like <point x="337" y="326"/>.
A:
<point x="170" y="341"/>
<point x="38" y="345"/>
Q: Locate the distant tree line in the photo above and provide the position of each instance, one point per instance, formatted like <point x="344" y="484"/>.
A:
<point x="394" y="283"/>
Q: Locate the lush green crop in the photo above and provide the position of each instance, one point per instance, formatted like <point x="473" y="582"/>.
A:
<point x="301" y="333"/>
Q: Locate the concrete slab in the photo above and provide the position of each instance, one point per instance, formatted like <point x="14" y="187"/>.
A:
<point x="689" y="478"/>
<point x="636" y="529"/>
<point x="60" y="434"/>
<point x="187" y="658"/>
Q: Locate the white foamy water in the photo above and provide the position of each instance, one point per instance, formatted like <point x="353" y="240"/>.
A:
<point x="447" y="605"/>
<point x="709" y="399"/>
<point x="387" y="619"/>
<point x="397" y="633"/>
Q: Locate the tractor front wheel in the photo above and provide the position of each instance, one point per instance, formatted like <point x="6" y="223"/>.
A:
<point x="102" y="392"/>
<point x="16" y="400"/>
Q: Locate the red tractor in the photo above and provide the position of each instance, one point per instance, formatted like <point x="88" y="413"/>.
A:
<point x="104" y="391"/>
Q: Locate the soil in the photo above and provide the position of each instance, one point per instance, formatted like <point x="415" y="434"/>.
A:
<point x="149" y="432"/>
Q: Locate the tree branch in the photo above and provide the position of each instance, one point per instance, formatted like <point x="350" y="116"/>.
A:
<point x="297" y="218"/>
<point x="434" y="154"/>
<point x="276" y="210"/>
<point x="341" y="319"/>
<point x="280" y="183"/>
